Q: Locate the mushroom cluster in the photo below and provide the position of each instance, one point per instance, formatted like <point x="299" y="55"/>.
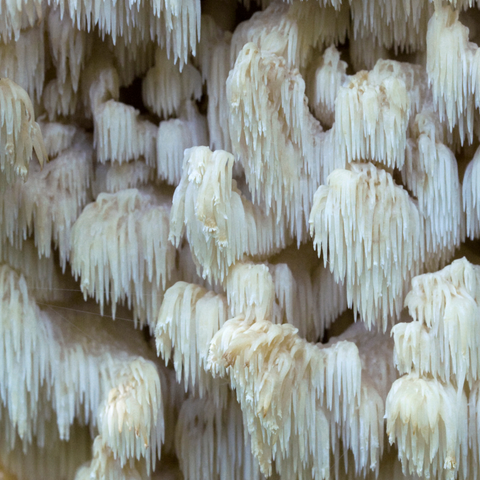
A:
<point x="239" y="240"/>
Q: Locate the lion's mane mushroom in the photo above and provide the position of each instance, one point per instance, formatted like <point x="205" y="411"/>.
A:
<point x="259" y="193"/>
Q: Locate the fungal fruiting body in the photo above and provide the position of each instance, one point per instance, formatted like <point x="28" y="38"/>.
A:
<point x="239" y="240"/>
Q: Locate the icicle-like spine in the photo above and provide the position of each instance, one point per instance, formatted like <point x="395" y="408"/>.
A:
<point x="127" y="255"/>
<point x="23" y="60"/>
<point x="431" y="173"/>
<point x="445" y="307"/>
<point x="426" y="409"/>
<point x="188" y="319"/>
<point x="263" y="359"/>
<point x="371" y="116"/>
<point x="165" y="87"/>
<point x="49" y="201"/>
<point x="372" y="235"/>
<point x="131" y="420"/>
<point x="174" y="137"/>
<point x="19" y="133"/>
<point x="114" y="177"/>
<point x="221" y="225"/>
<point x="471" y="196"/>
<point x="428" y="420"/>
<point x="120" y="136"/>
<point x="329" y="76"/>
<point x="279" y="143"/>
<point x="218" y="436"/>
<point x="453" y="84"/>
<point x="250" y="291"/>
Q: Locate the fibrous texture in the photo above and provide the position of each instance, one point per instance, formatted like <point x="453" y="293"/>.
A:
<point x="329" y="76"/>
<point x="189" y="318"/>
<point x="441" y="339"/>
<point x="214" y="59"/>
<point x="174" y="137"/>
<point x="438" y="353"/>
<point x="165" y="87"/>
<point x="42" y="274"/>
<point x="251" y="352"/>
<point x="218" y="437"/>
<point x="48" y="203"/>
<point x="366" y="51"/>
<point x="372" y="235"/>
<point x="57" y="136"/>
<point x="330" y="299"/>
<point x="23" y="60"/>
<point x="59" y="100"/>
<point x="17" y="16"/>
<point x="244" y="257"/>
<point x="20" y="135"/>
<point x="428" y="420"/>
<point x="220" y="224"/>
<point x="362" y="426"/>
<point x="131" y="419"/>
<point x="372" y="113"/>
<point x="291" y="31"/>
<point x="282" y="381"/>
<point x="75" y="375"/>
<point x="103" y="465"/>
<point x="279" y="143"/>
<point x="471" y="196"/>
<point x="431" y="172"/>
<point x="70" y="48"/>
<point x="285" y="292"/>
<point x="400" y="25"/>
<point x="174" y="25"/>
<point x="454" y="77"/>
<point x="114" y="177"/>
<point x="120" y="135"/>
<point x="250" y="291"/>
<point x="126" y="254"/>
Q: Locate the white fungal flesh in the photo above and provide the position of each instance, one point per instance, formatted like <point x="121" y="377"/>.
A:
<point x="189" y="318"/>
<point x="23" y="60"/>
<point x="18" y="15"/>
<point x="76" y="373"/>
<point x="216" y="435"/>
<point x="121" y="136"/>
<point x="57" y="137"/>
<point x="371" y="234"/>
<point x="174" y="137"/>
<point x="165" y="87"/>
<point x="279" y="143"/>
<point x="209" y="209"/>
<point x="49" y="202"/>
<point x="399" y="25"/>
<point x="427" y="420"/>
<point x="173" y="24"/>
<point x="19" y="133"/>
<point x="229" y="181"/>
<point x="70" y="48"/>
<point x="452" y="83"/>
<point x="445" y="307"/>
<point x="379" y="104"/>
<point x="471" y="196"/>
<point x="131" y="419"/>
<point x="114" y="177"/>
<point x="329" y="76"/>
<point x="431" y="172"/>
<point x="250" y="291"/>
<point x="127" y="255"/>
<point x="264" y="360"/>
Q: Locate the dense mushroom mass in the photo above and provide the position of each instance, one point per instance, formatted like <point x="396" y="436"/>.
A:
<point x="239" y="240"/>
